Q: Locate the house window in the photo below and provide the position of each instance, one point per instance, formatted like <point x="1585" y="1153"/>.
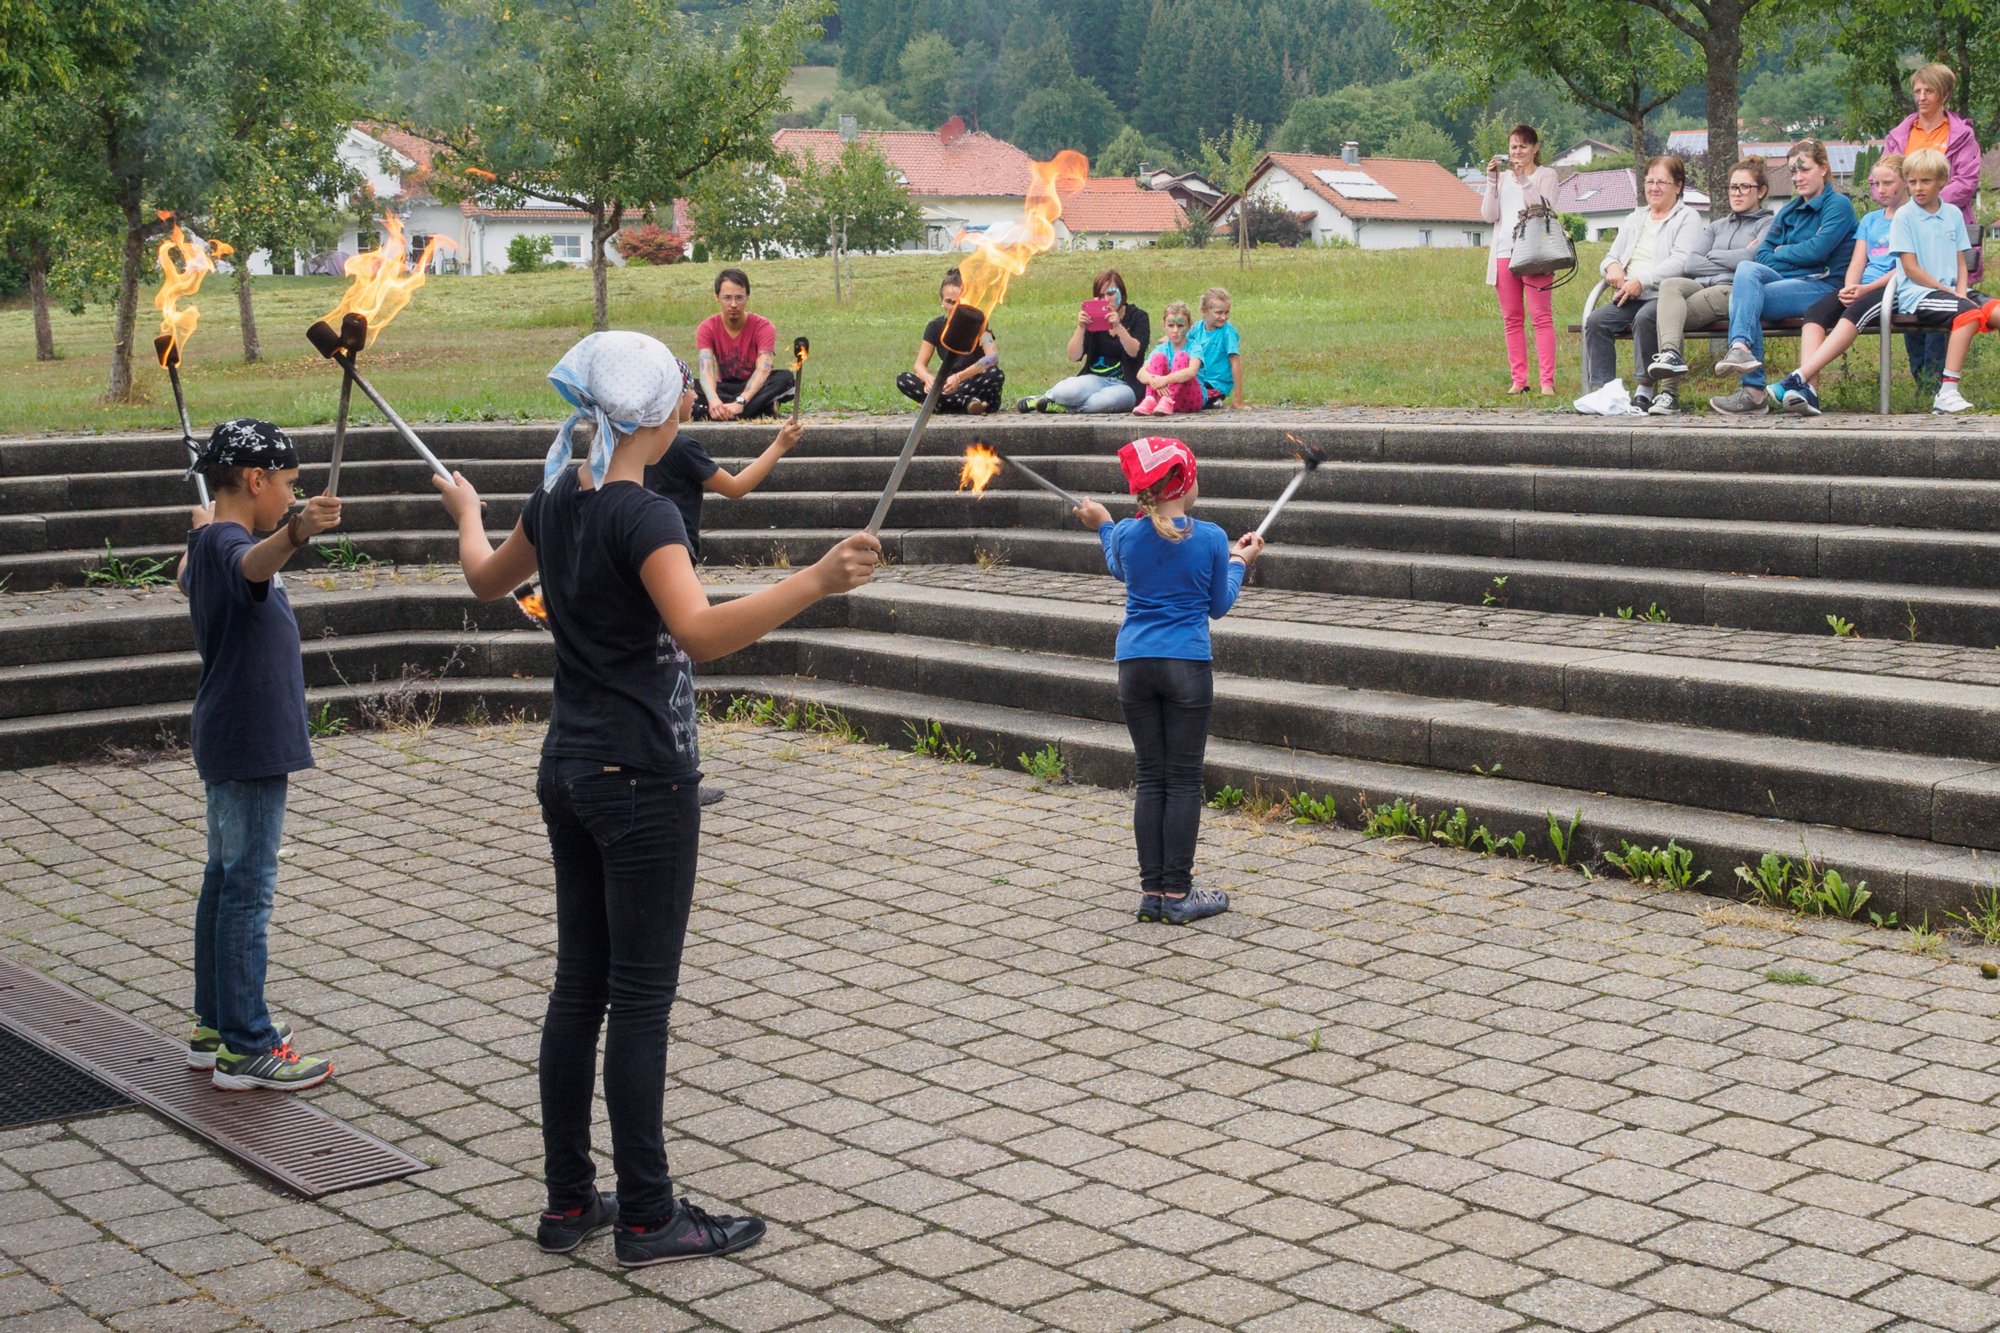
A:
<point x="566" y="247"/>
<point x="1423" y="236"/>
<point x="1472" y="238"/>
<point x="418" y="240"/>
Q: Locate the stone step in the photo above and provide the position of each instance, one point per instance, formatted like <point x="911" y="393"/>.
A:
<point x="1963" y="448"/>
<point x="1913" y="796"/>
<point x="1908" y="878"/>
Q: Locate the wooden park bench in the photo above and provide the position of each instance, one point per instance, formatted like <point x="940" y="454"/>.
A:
<point x="1889" y="323"/>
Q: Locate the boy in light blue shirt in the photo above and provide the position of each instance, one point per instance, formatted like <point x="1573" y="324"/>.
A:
<point x="1217" y="344"/>
<point x="1934" y="287"/>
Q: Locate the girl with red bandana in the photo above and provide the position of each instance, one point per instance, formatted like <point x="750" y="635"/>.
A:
<point x="1179" y="573"/>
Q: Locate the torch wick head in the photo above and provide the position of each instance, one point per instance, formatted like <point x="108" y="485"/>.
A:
<point x="322" y="336"/>
<point x="168" y="350"/>
<point x="1312" y="456"/>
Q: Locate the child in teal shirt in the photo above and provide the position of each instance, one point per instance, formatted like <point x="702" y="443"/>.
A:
<point x="1218" y="345"/>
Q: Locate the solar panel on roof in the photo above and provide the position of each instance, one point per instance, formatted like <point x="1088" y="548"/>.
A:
<point x="1354" y="184"/>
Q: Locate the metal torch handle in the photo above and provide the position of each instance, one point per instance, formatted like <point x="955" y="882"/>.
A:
<point x="401" y="426"/>
<point x="187" y="433"/>
<point x="903" y="459"/>
<point x="1291" y="489"/>
<point x="339" y="433"/>
<point x="1044" y="483"/>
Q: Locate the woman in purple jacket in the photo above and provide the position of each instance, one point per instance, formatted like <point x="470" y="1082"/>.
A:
<point x="1935" y="125"/>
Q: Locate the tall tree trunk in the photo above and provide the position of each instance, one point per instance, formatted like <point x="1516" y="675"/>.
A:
<point x="38" y="292"/>
<point x="1724" y="51"/>
<point x="1243" y="231"/>
<point x="1638" y="127"/>
<point x="603" y="226"/>
<point x="118" y="388"/>
<point x="251" y="351"/>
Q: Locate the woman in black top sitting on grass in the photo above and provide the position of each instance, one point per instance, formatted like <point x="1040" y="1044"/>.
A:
<point x="973" y="381"/>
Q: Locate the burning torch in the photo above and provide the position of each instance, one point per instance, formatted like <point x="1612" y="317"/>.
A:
<point x="1310" y="457"/>
<point x="801" y="349"/>
<point x="983" y="462"/>
<point x="181" y="281"/>
<point x="987" y="273"/>
<point x="381" y="284"/>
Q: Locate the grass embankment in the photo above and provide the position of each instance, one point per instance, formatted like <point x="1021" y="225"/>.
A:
<point x="1342" y="327"/>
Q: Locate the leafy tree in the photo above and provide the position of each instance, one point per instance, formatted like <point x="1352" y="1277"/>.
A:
<point x="1229" y="161"/>
<point x="868" y="107"/>
<point x="1268" y="222"/>
<point x="929" y="69"/>
<point x="1787" y="104"/>
<point x="528" y="253"/>
<point x="650" y="243"/>
<point x="607" y="108"/>
<point x="856" y="203"/>
<point x="1129" y="149"/>
<point x="1622" y="57"/>
<point x="1075" y="113"/>
<point x="1420" y="141"/>
<point x="1357" y="114"/>
<point x="735" y="209"/>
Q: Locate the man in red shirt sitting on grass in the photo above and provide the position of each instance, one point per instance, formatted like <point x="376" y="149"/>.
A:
<point x="737" y="379"/>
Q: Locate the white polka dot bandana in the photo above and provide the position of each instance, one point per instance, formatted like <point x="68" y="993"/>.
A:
<point x="624" y="381"/>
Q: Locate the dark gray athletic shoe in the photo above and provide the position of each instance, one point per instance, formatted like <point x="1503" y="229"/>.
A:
<point x="1199" y="903"/>
<point x="1149" y="907"/>
<point x="710" y="794"/>
<point x="690" y="1233"/>
<point x="561" y="1232"/>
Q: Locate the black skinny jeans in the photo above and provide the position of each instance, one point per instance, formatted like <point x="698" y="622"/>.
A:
<point x="1166" y="702"/>
<point x="624" y="844"/>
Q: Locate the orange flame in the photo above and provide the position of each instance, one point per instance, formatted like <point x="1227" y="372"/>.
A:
<point x="995" y="263"/>
<point x="383" y="280"/>
<point x="981" y="466"/>
<point x="196" y="261"/>
<point x="531" y="605"/>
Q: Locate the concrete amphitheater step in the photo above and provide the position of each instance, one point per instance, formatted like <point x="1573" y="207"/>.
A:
<point x="1932" y="799"/>
<point x="1909" y="878"/>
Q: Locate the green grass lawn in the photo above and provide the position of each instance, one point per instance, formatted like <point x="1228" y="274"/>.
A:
<point x="809" y="85"/>
<point x="1391" y="328"/>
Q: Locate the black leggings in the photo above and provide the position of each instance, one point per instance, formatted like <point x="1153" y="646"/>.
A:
<point x="985" y="387"/>
<point x="778" y="388"/>
<point x="1166" y="702"/>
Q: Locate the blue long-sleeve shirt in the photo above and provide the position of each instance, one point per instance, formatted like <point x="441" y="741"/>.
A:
<point x="1172" y="589"/>
<point x="1808" y="235"/>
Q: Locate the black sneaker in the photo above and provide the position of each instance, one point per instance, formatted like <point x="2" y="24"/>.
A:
<point x="689" y="1233"/>
<point x="1198" y="904"/>
<point x="710" y="794"/>
<point x="1642" y="399"/>
<point x="561" y="1232"/>
<point x="1667" y="361"/>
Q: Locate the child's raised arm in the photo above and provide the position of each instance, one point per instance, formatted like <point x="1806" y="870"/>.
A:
<point x="490" y="574"/>
<point x="753" y="474"/>
<point x="707" y="632"/>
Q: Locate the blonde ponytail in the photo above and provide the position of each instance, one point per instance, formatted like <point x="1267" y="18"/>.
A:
<point x="1148" y="499"/>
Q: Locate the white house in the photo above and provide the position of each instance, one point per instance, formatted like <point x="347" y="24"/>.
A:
<point x="1377" y="203"/>
<point x="1584" y="152"/>
<point x="1116" y="213"/>
<point x="965" y="182"/>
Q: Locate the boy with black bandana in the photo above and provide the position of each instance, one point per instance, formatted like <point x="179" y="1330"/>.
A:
<point x="250" y="734"/>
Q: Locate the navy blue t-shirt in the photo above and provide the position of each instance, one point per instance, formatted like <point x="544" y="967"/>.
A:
<point x="681" y="475"/>
<point x="624" y="689"/>
<point x="250" y="708"/>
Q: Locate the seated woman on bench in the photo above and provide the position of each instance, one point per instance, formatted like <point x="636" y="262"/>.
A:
<point x="1929" y="239"/>
<point x="1653" y="243"/>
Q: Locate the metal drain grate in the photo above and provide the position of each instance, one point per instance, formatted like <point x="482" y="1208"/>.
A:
<point x="36" y="1087"/>
<point x="285" y="1138"/>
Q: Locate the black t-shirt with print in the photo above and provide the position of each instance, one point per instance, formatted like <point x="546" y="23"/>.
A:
<point x="624" y="690"/>
<point x="1104" y="355"/>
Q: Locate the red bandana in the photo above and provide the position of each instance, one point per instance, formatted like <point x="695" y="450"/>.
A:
<point x="1157" y="457"/>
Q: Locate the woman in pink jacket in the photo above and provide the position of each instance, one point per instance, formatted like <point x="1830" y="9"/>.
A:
<point x="1935" y="125"/>
<point x="1523" y="181"/>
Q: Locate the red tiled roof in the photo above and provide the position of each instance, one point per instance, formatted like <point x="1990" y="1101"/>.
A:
<point x="973" y="164"/>
<point x="1116" y="203"/>
<point x="471" y="209"/>
<point x="1609" y="191"/>
<point x="410" y="146"/>
<point x="1425" y="191"/>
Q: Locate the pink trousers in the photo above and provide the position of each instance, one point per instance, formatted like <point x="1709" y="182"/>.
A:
<point x="1515" y="291"/>
<point x="1187" y="395"/>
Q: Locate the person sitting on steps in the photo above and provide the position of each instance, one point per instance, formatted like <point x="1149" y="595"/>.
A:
<point x="973" y="381"/>
<point x="734" y="348"/>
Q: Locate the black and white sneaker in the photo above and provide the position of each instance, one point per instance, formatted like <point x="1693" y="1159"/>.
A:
<point x="560" y="1232"/>
<point x="1667" y="361"/>
<point x="1665" y="404"/>
<point x="689" y="1233"/>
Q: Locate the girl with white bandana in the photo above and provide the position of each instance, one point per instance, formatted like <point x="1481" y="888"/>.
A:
<point x="619" y="783"/>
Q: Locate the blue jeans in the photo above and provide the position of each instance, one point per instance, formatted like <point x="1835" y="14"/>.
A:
<point x="1759" y="292"/>
<point x="624" y="845"/>
<point x="246" y="820"/>
<point x="1166" y="702"/>
<point x="1093" y="393"/>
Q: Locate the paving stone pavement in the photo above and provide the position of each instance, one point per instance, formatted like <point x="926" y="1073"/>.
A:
<point x="920" y="1032"/>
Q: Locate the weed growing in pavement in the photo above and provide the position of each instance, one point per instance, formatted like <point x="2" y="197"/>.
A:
<point x="1921" y="939"/>
<point x="1045" y="765"/>
<point x="1654" y="614"/>
<point x="344" y="554"/>
<point x="1562" y="837"/>
<point x="1227" y="798"/>
<point x="1802" y="887"/>
<point x="1672" y="865"/>
<point x="743" y="708"/>
<point x="1983" y="917"/>
<point x="1910" y="620"/>
<point x="1496" y="592"/>
<point x="1791" y="976"/>
<point x="1453" y="830"/>
<point x="1312" y="1040"/>
<point x="114" y="572"/>
<point x="1842" y="629"/>
<point x="1261" y="805"/>
<point x="323" y="721"/>
<point x="1483" y="842"/>
<point x="1492" y="772"/>
<point x="1304" y="808"/>
<point x="985" y="559"/>
<point x="1400" y="819"/>
<point x="930" y="740"/>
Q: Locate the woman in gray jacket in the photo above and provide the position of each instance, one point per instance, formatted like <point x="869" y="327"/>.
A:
<point x="1653" y="243"/>
<point x="1700" y="296"/>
